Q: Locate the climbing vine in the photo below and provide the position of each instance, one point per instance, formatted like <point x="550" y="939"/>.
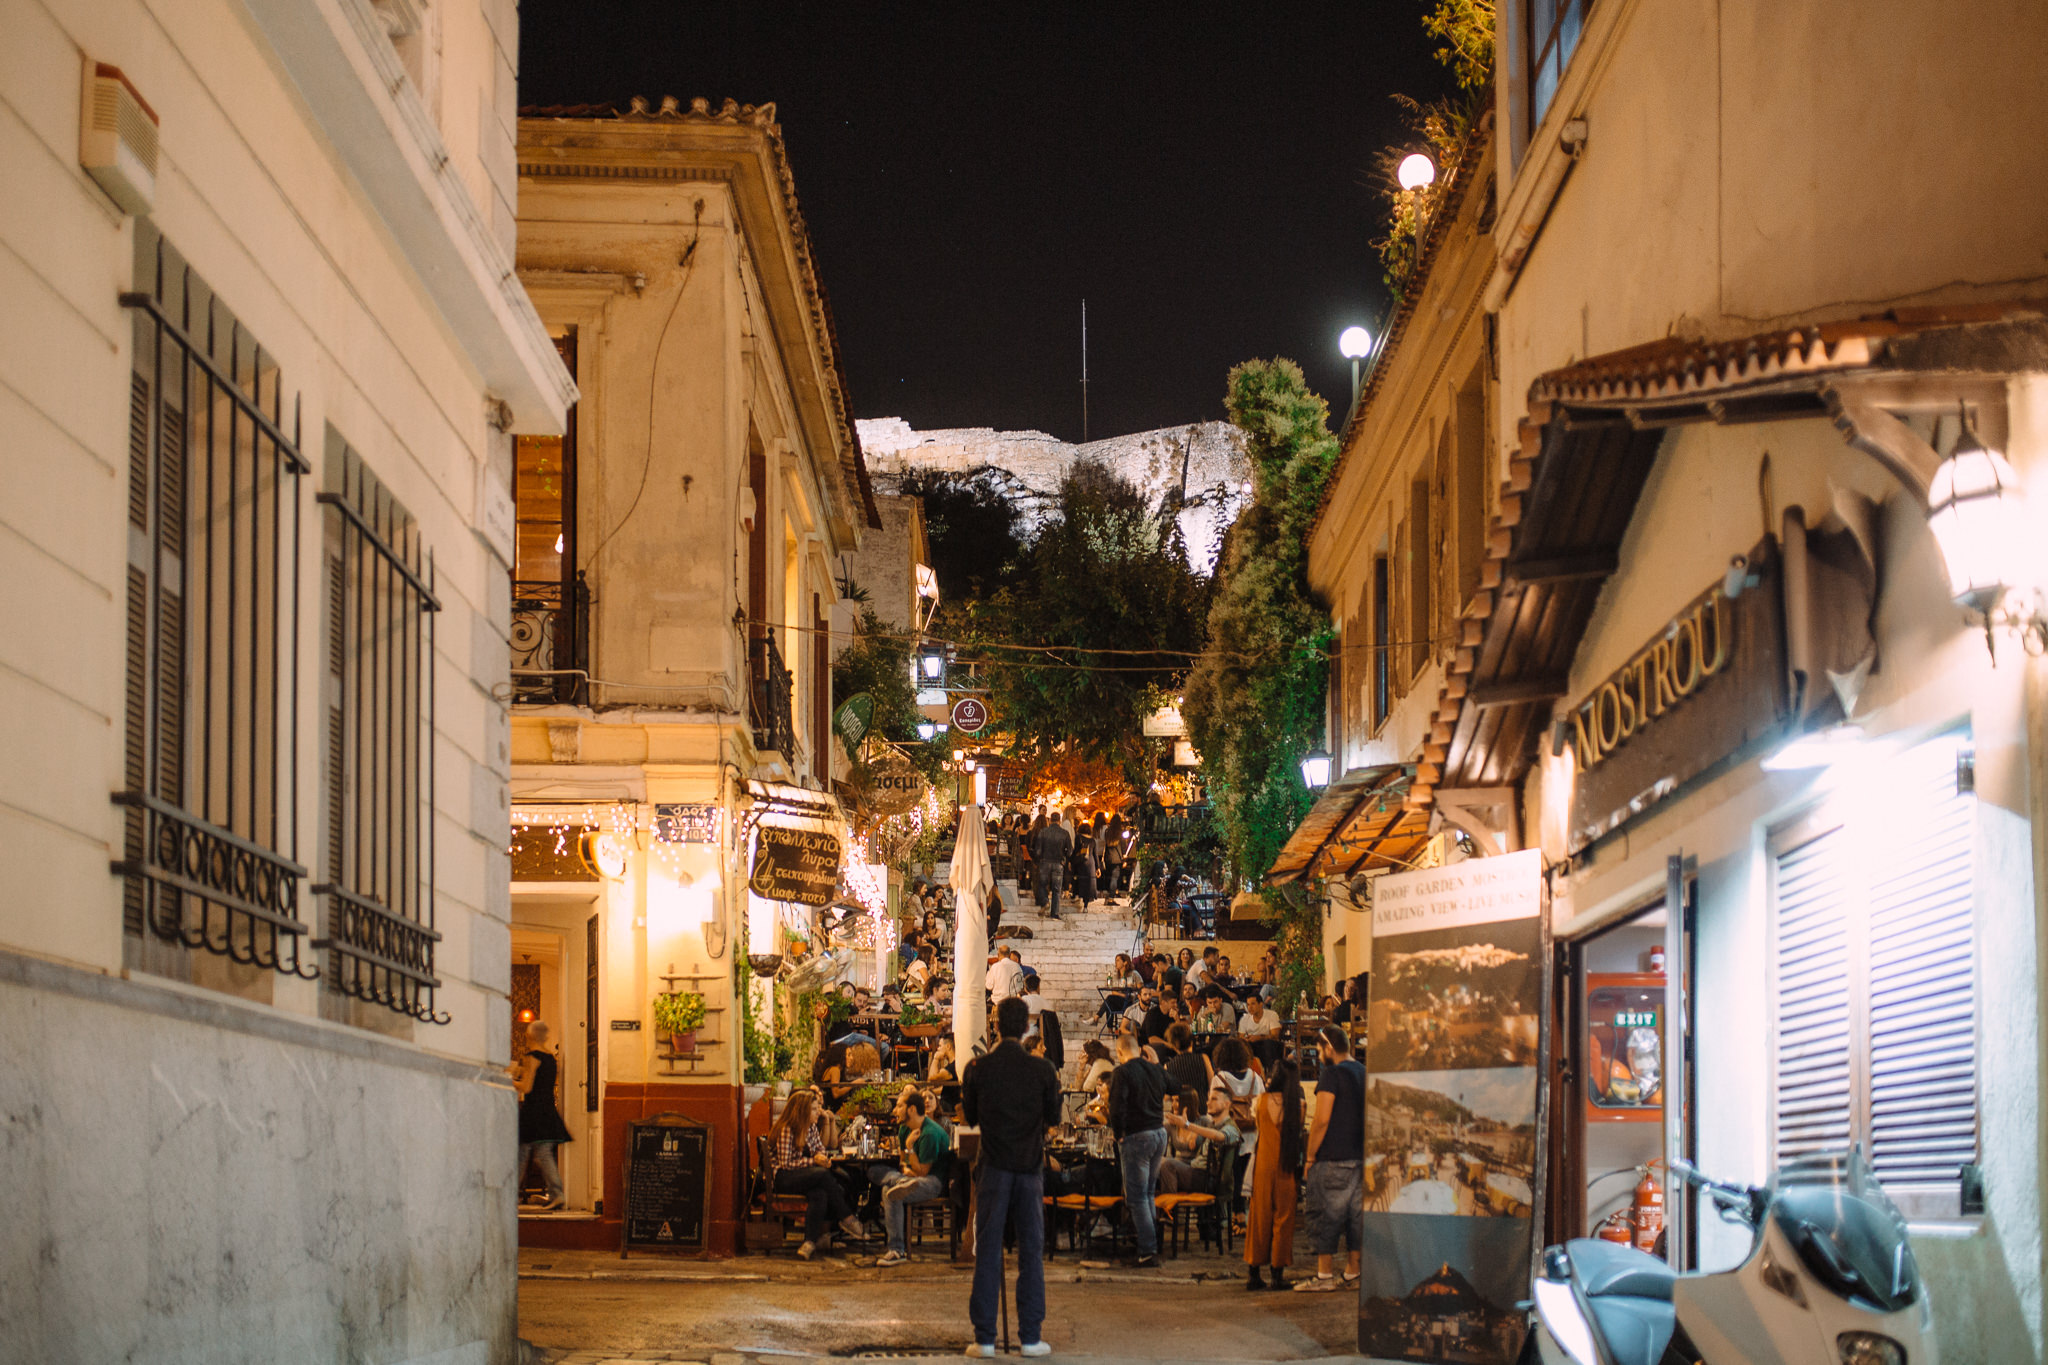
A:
<point x="1254" y="701"/>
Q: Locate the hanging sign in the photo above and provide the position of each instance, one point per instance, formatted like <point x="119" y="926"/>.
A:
<point x="970" y="714"/>
<point x="854" y="718"/>
<point x="800" y="865"/>
<point x="895" y="786"/>
<point x="1450" y="1110"/>
<point x="1166" y="723"/>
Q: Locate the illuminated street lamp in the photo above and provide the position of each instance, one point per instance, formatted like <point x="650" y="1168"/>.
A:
<point x="1976" y="511"/>
<point x="927" y="730"/>
<point x="1355" y="344"/>
<point x="931" y="664"/>
<point x="1315" y="768"/>
<point x="1415" y="172"/>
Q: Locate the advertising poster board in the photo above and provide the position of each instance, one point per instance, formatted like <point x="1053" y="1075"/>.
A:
<point x="1450" y="1111"/>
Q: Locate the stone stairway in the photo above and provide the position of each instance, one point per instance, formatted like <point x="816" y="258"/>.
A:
<point x="1072" y="954"/>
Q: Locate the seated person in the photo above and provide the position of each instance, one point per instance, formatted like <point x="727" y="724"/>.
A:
<point x="1217" y="1014"/>
<point x="1126" y="983"/>
<point x="927" y="1159"/>
<point x="799" y="1164"/>
<point x="1217" y="1136"/>
<point x="942" y="1069"/>
<point x="1257" y="1021"/>
<point x="1096" y="1063"/>
<point x="908" y="949"/>
<point x="1188" y="1069"/>
<point x="1144" y="1017"/>
<point x="917" y="973"/>
<point x="842" y="1068"/>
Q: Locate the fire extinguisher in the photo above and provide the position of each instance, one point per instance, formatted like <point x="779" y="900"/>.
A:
<point x="1648" y="1210"/>
<point x="1615" y="1228"/>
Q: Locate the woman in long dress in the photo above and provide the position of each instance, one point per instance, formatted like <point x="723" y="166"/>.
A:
<point x="1269" y="1220"/>
<point x="1112" y="837"/>
<point x="1084" y="864"/>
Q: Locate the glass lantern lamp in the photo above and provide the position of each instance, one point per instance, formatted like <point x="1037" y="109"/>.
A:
<point x="1974" y="509"/>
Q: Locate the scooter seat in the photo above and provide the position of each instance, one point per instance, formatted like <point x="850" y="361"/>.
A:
<point x="1635" y="1330"/>
<point x="1613" y="1270"/>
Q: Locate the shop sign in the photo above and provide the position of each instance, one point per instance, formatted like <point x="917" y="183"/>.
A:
<point x="1166" y="723"/>
<point x="969" y="715"/>
<point x="1006" y="781"/>
<point x="854" y="718"/>
<point x="682" y="822"/>
<point x="1708" y="685"/>
<point x="799" y="865"/>
<point x="1450" y="1129"/>
<point x="894" y="786"/>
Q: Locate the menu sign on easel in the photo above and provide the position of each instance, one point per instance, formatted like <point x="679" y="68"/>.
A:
<point x="668" y="1169"/>
<point x="799" y="865"/>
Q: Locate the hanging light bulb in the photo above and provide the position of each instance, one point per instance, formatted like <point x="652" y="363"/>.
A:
<point x="558" y="542"/>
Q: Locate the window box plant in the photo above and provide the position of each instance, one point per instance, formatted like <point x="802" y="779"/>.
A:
<point x="918" y="1022"/>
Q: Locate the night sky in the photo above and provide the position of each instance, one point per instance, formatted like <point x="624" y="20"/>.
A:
<point x="1199" y="173"/>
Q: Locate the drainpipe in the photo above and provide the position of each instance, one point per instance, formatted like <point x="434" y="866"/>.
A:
<point x="1571" y="141"/>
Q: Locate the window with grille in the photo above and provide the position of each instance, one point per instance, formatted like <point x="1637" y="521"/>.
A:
<point x="377" y="694"/>
<point x="1553" y="35"/>
<point x="210" y="785"/>
<point x="1875" y="956"/>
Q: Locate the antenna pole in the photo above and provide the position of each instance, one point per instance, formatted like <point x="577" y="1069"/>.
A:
<point x="1084" y="371"/>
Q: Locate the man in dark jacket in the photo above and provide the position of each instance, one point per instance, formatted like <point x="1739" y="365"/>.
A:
<point x="1013" y="1097"/>
<point x="1137" y="1115"/>
<point x="1050" y="848"/>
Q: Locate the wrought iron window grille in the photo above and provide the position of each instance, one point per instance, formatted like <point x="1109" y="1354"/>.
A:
<point x="210" y="791"/>
<point x="770" y="697"/>
<point x="378" y="694"/>
<point x="551" y="643"/>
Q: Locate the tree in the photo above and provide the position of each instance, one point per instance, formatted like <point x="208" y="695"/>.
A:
<point x="1254" y="701"/>
<point x="974" y="522"/>
<point x="878" y="663"/>
<point x="1106" y="572"/>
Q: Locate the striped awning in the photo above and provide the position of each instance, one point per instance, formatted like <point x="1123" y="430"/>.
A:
<point x="1361" y="820"/>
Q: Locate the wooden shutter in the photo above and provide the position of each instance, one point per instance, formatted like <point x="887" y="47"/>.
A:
<point x="1814" y="1089"/>
<point x="1923" y="1000"/>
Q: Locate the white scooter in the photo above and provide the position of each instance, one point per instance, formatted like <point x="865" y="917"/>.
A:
<point x="1829" y="1280"/>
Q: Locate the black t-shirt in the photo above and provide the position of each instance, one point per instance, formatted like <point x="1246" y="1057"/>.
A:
<point x="1154" y="1025"/>
<point x="1344" y="1135"/>
<point x="1014" y="1097"/>
<point x="1137" y="1090"/>
<point x="1189" y="1072"/>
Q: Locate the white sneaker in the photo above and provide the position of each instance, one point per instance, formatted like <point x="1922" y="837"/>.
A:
<point x="1035" y="1348"/>
<point x="806" y="1251"/>
<point x="852" y="1227"/>
<point x="980" y="1352"/>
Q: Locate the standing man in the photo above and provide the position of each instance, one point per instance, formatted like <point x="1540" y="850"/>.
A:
<point x="1137" y="1115"/>
<point x="1336" y="1162"/>
<point x="1050" y="848"/>
<point x="1013" y="1097"/>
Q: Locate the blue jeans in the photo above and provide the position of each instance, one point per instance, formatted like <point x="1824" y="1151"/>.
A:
<point x="1008" y="1198"/>
<point x="1141" y="1156"/>
<point x="897" y="1197"/>
<point x="541" y="1154"/>
<point x="1051" y="877"/>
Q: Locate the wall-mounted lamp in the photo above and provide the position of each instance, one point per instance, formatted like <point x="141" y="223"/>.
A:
<point x="1976" y="510"/>
<point x="1315" y="768"/>
<point x="931" y="664"/>
<point x="927" y="730"/>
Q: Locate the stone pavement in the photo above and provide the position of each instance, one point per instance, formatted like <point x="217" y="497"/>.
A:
<point x="591" y="1308"/>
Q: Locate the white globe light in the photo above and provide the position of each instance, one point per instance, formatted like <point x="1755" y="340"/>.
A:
<point x="1355" y="343"/>
<point x="1415" y="171"/>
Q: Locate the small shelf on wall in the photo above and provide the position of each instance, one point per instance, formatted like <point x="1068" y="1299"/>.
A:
<point x="704" y="1062"/>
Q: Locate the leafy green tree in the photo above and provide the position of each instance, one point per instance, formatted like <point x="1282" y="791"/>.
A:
<point x="1254" y="702"/>
<point x="878" y="663"/>
<point x="1106" y="572"/>
<point x="974" y="522"/>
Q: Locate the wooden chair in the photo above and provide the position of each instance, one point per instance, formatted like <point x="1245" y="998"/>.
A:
<point x="1170" y="1207"/>
<point x="1081" y="1210"/>
<point x="765" y="1202"/>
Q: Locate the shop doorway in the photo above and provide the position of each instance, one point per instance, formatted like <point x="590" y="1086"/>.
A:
<point x="1608" y="1119"/>
<point x="551" y="980"/>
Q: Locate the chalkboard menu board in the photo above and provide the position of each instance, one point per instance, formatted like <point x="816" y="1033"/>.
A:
<point x="668" y="1170"/>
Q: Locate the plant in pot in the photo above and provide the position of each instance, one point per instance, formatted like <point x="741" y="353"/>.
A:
<point x="679" y="1014"/>
<point x="918" y="1022"/>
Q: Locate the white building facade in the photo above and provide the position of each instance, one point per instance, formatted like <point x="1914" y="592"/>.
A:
<point x="266" y="357"/>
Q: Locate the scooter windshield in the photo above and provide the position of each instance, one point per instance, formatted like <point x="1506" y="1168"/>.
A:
<point x="1847" y="1231"/>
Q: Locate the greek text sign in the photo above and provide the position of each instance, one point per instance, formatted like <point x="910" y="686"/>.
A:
<point x="800" y="865"/>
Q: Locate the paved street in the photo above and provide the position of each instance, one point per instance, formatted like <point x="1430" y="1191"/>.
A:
<point x="581" y="1308"/>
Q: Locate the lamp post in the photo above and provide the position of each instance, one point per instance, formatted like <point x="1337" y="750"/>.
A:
<point x="1415" y="173"/>
<point x="1355" y="344"/>
<point x="931" y="664"/>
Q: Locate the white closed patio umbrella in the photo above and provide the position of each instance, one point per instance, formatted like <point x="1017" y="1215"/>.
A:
<point x="973" y="882"/>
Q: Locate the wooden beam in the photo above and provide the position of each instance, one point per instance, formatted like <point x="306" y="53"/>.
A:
<point x="1515" y="691"/>
<point x="1565" y="568"/>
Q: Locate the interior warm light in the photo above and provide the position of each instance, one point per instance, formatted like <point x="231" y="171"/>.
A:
<point x="1354" y="343"/>
<point x="1415" y="171"/>
<point x="558" y="542"/>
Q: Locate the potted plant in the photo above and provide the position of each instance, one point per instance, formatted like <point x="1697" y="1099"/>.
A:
<point x="679" y="1014"/>
<point x="918" y="1022"/>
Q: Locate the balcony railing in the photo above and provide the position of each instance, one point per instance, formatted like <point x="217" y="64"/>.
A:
<point x="550" y="644"/>
<point x="769" y="698"/>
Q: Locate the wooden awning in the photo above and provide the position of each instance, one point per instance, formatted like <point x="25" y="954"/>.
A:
<point x="1587" y="447"/>
<point x="1361" y="820"/>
